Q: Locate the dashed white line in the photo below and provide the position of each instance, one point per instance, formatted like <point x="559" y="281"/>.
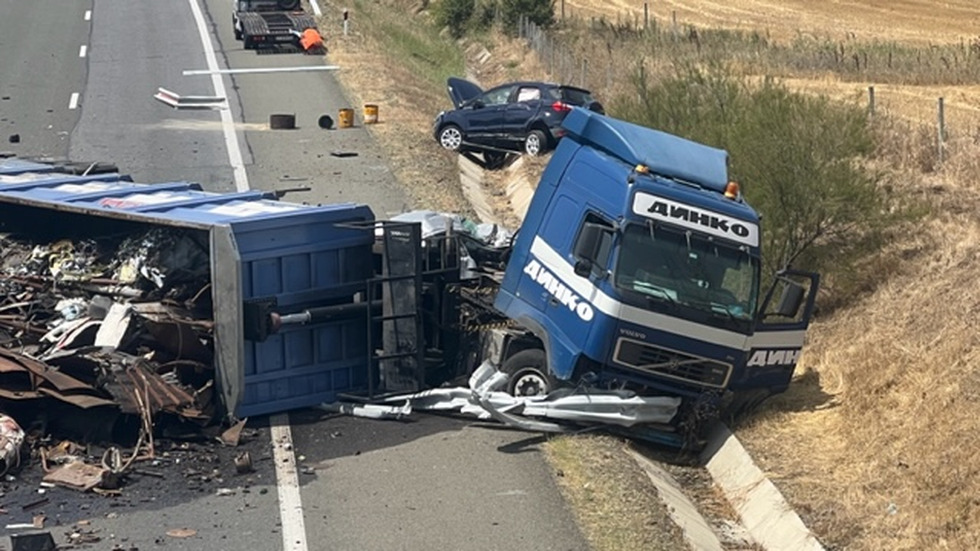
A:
<point x="73" y="102"/>
<point x="316" y="8"/>
<point x="88" y="15"/>
<point x="82" y="50"/>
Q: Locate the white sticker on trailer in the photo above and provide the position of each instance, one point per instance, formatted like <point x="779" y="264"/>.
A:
<point x="244" y="210"/>
<point x="682" y="214"/>
<point x="88" y="187"/>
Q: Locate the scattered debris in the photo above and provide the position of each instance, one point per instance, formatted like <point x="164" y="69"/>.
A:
<point x="181" y="532"/>
<point x="344" y="153"/>
<point x="33" y="504"/>
<point x="282" y="121"/>
<point x="243" y="463"/>
<point x="175" y="100"/>
<point x="232" y="436"/>
<point x="78" y="475"/>
<point x="325" y="122"/>
<point x="40" y="541"/>
<point x="11" y="439"/>
<point x="565" y="410"/>
<point x="106" y="340"/>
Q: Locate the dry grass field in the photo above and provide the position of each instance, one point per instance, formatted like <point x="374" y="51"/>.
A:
<point x="875" y="445"/>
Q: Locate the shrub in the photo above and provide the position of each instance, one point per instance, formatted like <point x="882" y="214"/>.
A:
<point x="800" y="160"/>
<point x="539" y="12"/>
<point x="454" y="14"/>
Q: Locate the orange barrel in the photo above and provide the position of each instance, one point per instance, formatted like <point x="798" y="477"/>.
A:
<point x="370" y="113"/>
<point x="345" y="118"/>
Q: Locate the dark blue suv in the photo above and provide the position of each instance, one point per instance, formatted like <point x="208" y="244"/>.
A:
<point x="514" y="117"/>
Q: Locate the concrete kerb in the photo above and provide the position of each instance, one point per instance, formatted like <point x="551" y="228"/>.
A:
<point x="682" y="511"/>
<point x="763" y="511"/>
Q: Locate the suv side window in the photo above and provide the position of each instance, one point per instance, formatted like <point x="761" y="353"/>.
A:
<point x="498" y="96"/>
<point x="528" y="93"/>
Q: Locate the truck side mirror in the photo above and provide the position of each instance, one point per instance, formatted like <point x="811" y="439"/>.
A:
<point x="583" y="268"/>
<point x="790" y="300"/>
<point x="587" y="247"/>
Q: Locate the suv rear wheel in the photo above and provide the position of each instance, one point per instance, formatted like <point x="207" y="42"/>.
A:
<point x="451" y="137"/>
<point x="535" y="143"/>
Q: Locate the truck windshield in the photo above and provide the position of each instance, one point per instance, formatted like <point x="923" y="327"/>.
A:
<point x="689" y="274"/>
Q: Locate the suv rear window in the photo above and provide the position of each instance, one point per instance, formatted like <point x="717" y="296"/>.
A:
<point x="576" y="96"/>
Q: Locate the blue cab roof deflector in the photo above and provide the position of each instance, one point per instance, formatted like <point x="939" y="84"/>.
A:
<point x="665" y="154"/>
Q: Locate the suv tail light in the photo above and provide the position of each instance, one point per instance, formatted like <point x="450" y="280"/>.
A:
<point x="560" y="107"/>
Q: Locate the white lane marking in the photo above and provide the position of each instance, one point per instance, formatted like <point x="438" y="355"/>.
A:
<point x="227" y="122"/>
<point x="316" y="8"/>
<point x="88" y="15"/>
<point x="290" y="505"/>
<point x="82" y="51"/>
<point x="73" y="102"/>
<point x="192" y="72"/>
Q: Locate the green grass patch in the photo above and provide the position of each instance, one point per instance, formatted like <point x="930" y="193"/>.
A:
<point x="414" y="42"/>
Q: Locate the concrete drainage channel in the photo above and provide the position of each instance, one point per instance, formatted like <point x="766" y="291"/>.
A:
<point x="764" y="514"/>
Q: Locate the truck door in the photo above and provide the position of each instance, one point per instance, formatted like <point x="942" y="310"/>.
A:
<point x="780" y="330"/>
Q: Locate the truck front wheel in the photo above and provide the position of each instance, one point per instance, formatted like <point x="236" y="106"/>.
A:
<point x="528" y="374"/>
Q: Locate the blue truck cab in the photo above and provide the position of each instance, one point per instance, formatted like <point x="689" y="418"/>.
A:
<point x="638" y="262"/>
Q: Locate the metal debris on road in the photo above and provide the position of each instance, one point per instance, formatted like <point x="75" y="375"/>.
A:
<point x="107" y="339"/>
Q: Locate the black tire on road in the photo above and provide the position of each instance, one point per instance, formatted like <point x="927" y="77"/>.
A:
<point x="451" y="137"/>
<point x="288" y="5"/>
<point x="529" y="375"/>
<point x="285" y="121"/>
<point x="536" y="143"/>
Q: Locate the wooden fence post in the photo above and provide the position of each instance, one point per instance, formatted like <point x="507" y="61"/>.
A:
<point x="871" y="101"/>
<point x="942" y="129"/>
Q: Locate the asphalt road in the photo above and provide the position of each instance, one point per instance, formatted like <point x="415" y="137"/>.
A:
<point x="428" y="482"/>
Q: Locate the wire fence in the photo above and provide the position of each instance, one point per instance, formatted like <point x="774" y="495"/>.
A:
<point x="610" y="58"/>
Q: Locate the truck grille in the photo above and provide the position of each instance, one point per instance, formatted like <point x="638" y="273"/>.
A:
<point x="672" y="365"/>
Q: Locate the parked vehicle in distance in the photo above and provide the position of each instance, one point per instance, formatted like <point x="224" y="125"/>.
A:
<point x="523" y="117"/>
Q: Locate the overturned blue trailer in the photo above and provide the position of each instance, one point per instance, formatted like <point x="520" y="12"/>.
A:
<point x="298" y="255"/>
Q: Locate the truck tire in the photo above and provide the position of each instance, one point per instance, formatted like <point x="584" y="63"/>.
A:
<point x="288" y="5"/>
<point x="529" y="375"/>
<point x="536" y="143"/>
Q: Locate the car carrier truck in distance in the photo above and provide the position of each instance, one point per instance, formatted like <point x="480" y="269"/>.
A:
<point x="269" y="23"/>
<point x="635" y="273"/>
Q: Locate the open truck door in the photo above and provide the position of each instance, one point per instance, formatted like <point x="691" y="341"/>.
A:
<point x="780" y="330"/>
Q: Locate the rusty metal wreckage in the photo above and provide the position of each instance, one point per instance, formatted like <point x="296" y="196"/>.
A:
<point x="100" y="341"/>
